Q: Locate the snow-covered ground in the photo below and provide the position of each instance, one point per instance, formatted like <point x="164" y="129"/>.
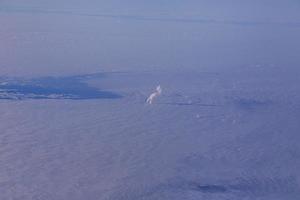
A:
<point x="211" y="137"/>
<point x="74" y="122"/>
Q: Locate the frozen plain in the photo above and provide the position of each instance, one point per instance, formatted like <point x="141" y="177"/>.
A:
<point x="74" y="123"/>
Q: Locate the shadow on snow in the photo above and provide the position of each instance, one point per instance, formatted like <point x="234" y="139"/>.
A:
<point x="72" y="87"/>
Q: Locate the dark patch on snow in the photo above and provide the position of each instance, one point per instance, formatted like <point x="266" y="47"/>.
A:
<point x="252" y="186"/>
<point x="212" y="188"/>
<point x="72" y="87"/>
<point x="190" y="104"/>
<point x="250" y="104"/>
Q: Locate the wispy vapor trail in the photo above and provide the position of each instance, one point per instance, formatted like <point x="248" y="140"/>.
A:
<point x="155" y="94"/>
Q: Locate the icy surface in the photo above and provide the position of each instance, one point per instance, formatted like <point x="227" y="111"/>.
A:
<point x="206" y="138"/>
<point x="75" y="76"/>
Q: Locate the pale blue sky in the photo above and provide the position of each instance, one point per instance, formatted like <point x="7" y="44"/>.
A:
<point x="44" y="37"/>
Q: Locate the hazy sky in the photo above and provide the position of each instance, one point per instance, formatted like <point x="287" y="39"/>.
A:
<point x="72" y="37"/>
<point x="246" y="9"/>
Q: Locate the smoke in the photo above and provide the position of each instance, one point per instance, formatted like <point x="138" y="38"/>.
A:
<point x="155" y="94"/>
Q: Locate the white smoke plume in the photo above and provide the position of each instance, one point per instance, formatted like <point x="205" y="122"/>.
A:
<point x="155" y="94"/>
